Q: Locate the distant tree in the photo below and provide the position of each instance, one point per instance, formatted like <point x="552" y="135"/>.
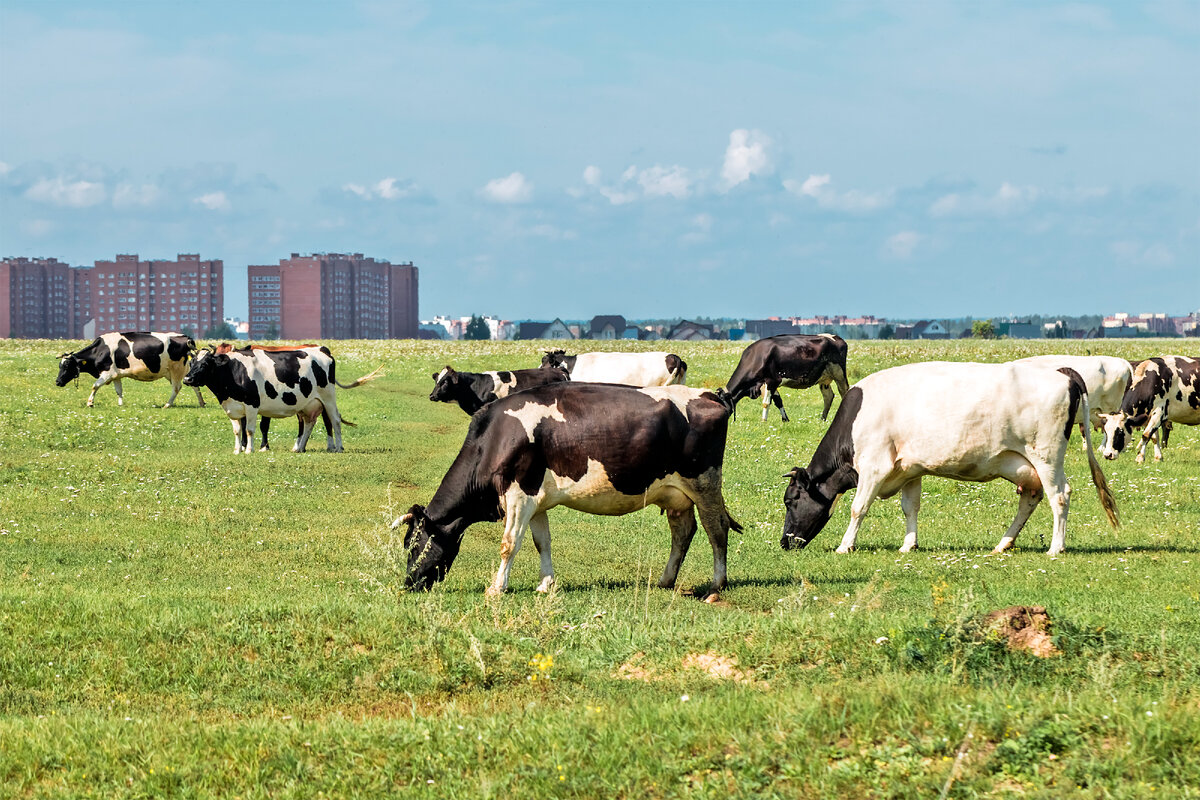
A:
<point x="887" y="332"/>
<point x="983" y="329"/>
<point x="272" y="331"/>
<point x="477" y="329"/>
<point x="222" y="331"/>
<point x="1059" y="331"/>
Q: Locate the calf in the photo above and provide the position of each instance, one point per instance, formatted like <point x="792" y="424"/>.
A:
<point x="969" y="422"/>
<point x="1106" y="377"/>
<point x="140" y="355"/>
<point x="595" y="448"/>
<point x="1164" y="391"/>
<point x="792" y="360"/>
<point x="474" y="390"/>
<point x="288" y="383"/>
<point x="631" y="369"/>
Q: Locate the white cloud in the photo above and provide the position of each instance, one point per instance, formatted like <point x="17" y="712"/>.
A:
<point x="1008" y="199"/>
<point x="512" y="189"/>
<point x="820" y="188"/>
<point x="386" y="189"/>
<point x="662" y="181"/>
<point x="213" y="201"/>
<point x="902" y="244"/>
<point x="591" y="175"/>
<point x="745" y="156"/>
<point x="58" y="192"/>
<point x="4" y="168"/>
<point x="126" y="195"/>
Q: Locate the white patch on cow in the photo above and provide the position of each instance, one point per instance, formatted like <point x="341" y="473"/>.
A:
<point x="680" y="396"/>
<point x="503" y="388"/>
<point x="442" y="375"/>
<point x="531" y="414"/>
<point x="630" y="369"/>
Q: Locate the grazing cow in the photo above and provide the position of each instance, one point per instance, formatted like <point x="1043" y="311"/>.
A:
<point x="287" y="383"/>
<point x="969" y="422"/>
<point x="1106" y="377"/>
<point x="631" y="369"/>
<point x="264" y="423"/>
<point x="474" y="390"/>
<point x="792" y="360"/>
<point x="140" y="355"/>
<point x="595" y="448"/>
<point x="1164" y="390"/>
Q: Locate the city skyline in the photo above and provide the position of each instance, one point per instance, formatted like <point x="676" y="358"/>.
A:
<point x="898" y="159"/>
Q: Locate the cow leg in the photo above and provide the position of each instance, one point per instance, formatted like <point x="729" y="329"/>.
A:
<point x="867" y="489"/>
<point x="95" y="388"/>
<point x="683" y="528"/>
<point x="767" y="391"/>
<point x="1058" y="493"/>
<point x="716" y="525"/>
<point x="333" y="443"/>
<point x="239" y="434"/>
<point x="176" y="382"/>
<point x="307" y="426"/>
<point x="250" y="420"/>
<point x="910" y="504"/>
<point x="120" y="392"/>
<point x="264" y="425"/>
<point x="778" y="398"/>
<point x="827" y="396"/>
<point x="520" y="509"/>
<point x="539" y="526"/>
<point x="199" y="396"/>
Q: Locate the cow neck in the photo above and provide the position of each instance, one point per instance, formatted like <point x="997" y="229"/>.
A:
<point x="463" y="499"/>
<point x="832" y="465"/>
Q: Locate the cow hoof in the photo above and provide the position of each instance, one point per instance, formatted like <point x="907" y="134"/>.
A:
<point x="908" y="549"/>
<point x="546" y="585"/>
<point x="493" y="591"/>
<point x="168" y="405"/>
<point x="845" y="549"/>
<point x="1139" y="460"/>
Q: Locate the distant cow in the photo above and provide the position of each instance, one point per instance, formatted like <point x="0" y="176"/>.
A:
<point x="140" y="355"/>
<point x="1164" y="390"/>
<point x="595" y="448"/>
<point x="287" y="383"/>
<point x="969" y="422"/>
<point x="631" y="369"/>
<point x="792" y="360"/>
<point x="1106" y="377"/>
<point x="264" y="423"/>
<point x="474" y="390"/>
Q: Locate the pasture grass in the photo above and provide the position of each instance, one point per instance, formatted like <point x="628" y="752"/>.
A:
<point x="179" y="621"/>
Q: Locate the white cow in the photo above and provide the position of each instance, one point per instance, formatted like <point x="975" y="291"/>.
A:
<point x="1107" y="379"/>
<point x="631" y="369"/>
<point x="969" y="422"/>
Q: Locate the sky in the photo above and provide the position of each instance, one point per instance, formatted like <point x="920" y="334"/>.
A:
<point x="540" y="160"/>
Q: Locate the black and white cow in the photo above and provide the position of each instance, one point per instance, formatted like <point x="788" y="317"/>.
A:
<point x="793" y="360"/>
<point x="139" y="355"/>
<point x="601" y="449"/>
<point x="1107" y="379"/>
<point x="969" y="422"/>
<point x="474" y="390"/>
<point x="1165" y="390"/>
<point x="288" y="383"/>
<point x="630" y="369"/>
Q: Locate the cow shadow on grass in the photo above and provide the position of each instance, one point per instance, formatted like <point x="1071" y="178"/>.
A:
<point x="699" y="590"/>
<point x="1135" y="548"/>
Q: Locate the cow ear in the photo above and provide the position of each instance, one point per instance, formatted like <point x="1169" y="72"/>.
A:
<point x="1138" y="421"/>
<point x="799" y="475"/>
<point x="434" y="376"/>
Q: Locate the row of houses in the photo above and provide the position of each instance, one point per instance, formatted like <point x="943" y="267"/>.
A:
<point x="604" y="327"/>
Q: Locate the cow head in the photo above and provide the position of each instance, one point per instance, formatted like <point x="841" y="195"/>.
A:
<point x="1118" y="431"/>
<point x="204" y="365"/>
<point x="431" y="550"/>
<point x="68" y="369"/>
<point x="806" y="509"/>
<point x="445" y="382"/>
<point x="555" y="358"/>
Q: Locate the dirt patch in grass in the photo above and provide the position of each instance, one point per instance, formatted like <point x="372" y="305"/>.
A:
<point x="1023" y="628"/>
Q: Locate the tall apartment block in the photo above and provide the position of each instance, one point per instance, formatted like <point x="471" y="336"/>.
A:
<point x="333" y="296"/>
<point x="43" y="298"/>
<point x="130" y="294"/>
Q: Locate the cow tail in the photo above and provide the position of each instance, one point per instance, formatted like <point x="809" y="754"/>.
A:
<point x="1107" y="500"/>
<point x="734" y="525"/>
<point x="378" y="371"/>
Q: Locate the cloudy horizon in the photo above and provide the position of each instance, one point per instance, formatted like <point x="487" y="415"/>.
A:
<point x="906" y="160"/>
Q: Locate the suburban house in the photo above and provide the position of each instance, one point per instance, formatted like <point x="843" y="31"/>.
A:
<point x="544" y="330"/>
<point x="611" y="326"/>
<point x="685" y="331"/>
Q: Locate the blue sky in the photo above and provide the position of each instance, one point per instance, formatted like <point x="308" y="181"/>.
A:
<point x="536" y="160"/>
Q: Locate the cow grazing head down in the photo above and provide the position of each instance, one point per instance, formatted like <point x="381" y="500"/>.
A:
<point x="430" y="549"/>
<point x="1119" y="430"/>
<point x="68" y="369"/>
<point x="807" y="509"/>
<point x="554" y="358"/>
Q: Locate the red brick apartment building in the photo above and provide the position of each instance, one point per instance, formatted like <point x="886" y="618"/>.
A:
<point x="333" y="296"/>
<point x="44" y="298"/>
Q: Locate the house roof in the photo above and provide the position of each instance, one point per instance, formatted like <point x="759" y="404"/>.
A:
<point x="615" y="320"/>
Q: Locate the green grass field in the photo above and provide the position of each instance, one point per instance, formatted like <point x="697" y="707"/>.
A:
<point x="179" y="621"/>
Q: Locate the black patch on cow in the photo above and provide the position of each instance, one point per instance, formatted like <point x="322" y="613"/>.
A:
<point x="306" y="387"/>
<point x="286" y="364"/>
<point x="1076" y="391"/>
<point x="288" y="398"/>
<point x="270" y="389"/>
<point x="95" y="358"/>
<point x="474" y="390"/>
<point x="675" y="365"/>
<point x="121" y="354"/>
<point x="179" y="347"/>
<point x="226" y="377"/>
<point x="319" y="374"/>
<point x="148" y="348"/>
<point x="504" y="375"/>
<point x="332" y="366"/>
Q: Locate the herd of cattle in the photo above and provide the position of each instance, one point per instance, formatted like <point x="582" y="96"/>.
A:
<point x="611" y="433"/>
